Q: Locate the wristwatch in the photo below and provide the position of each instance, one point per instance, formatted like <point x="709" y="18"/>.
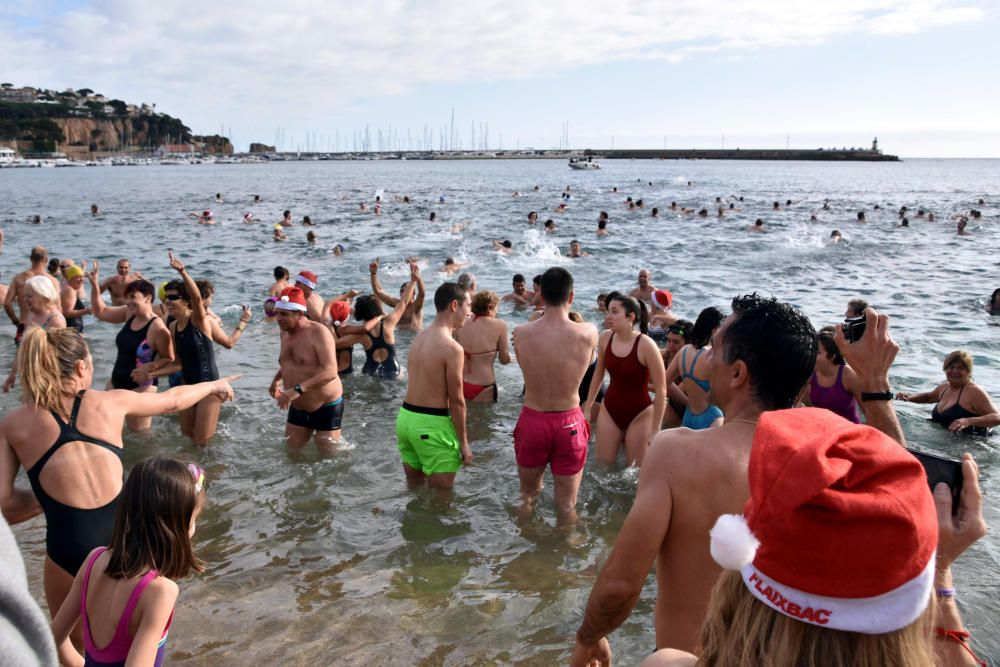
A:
<point x="298" y="388"/>
<point x="876" y="396"/>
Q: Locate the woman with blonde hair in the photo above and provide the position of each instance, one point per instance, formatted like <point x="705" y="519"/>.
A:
<point x="44" y="310"/>
<point x="960" y="403"/>
<point x="839" y="555"/>
<point x="68" y="438"/>
<point x="483" y="339"/>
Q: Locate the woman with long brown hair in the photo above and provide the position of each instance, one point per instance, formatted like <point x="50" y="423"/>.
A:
<point x="68" y="438"/>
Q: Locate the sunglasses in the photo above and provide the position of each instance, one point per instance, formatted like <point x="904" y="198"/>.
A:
<point x="172" y="297"/>
<point x="199" y="477"/>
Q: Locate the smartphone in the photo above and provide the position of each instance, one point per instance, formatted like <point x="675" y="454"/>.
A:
<point x="940" y="469"/>
<point x="854" y="328"/>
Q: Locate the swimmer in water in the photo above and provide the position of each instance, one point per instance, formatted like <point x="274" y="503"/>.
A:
<point x="602" y="228"/>
<point x="836" y="236"/>
<point x="504" y="247"/>
<point x="281" y="276"/>
<point x="204" y="218"/>
<point x="757" y="226"/>
<point x="532" y="217"/>
<point x="432" y="217"/>
<point x="520" y="296"/>
<point x="338" y="250"/>
<point x="575" y="251"/>
<point x="550" y="226"/>
<point x="307" y="221"/>
<point x="962" y="224"/>
<point x="861" y="216"/>
<point x="218" y="197"/>
<point x="279" y="233"/>
<point x="248" y="218"/>
<point x="311" y="237"/>
<point x="94" y="211"/>
<point x="450" y="266"/>
<point x="256" y="199"/>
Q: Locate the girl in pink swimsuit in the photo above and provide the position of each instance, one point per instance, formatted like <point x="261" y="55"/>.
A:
<point x="119" y="581"/>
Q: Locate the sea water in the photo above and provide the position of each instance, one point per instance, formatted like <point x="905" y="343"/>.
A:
<point x="313" y="560"/>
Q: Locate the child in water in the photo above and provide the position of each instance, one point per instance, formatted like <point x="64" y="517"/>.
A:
<point x="156" y="517"/>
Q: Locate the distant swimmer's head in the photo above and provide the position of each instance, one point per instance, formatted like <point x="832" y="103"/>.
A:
<point x="982" y="202"/>
<point x="339" y="249"/>
<point x="248" y="217"/>
<point x="856" y="308"/>
<point x="340" y="312"/>
<point x="673" y="204"/>
<point x="206" y="214"/>
<point x="758" y="223"/>
<point x="281" y="273"/>
<point x="433" y="216"/>
<point x="367" y="307"/>
<point x="507" y="244"/>
<point x="574" y="248"/>
<point x="93" y="209"/>
<point x="256" y="198"/>
<point x="603" y="215"/>
<point x="467" y="281"/>
<point x="703" y="213"/>
<point x="286" y="215"/>
<point x="995" y="300"/>
<point x="602" y="302"/>
<point x="777" y="205"/>
<point x="861" y="216"/>
<point x="788" y="202"/>
<point x="975" y="213"/>
<point x="655" y="212"/>
<point x="311" y="236"/>
<point x="307" y="281"/>
<point x="557" y="287"/>
<point x="533" y="217"/>
<point x="835" y="236"/>
<point x="449" y="261"/>
<point x="905" y="222"/>
<point x="550" y="225"/>
<point x="452" y="303"/>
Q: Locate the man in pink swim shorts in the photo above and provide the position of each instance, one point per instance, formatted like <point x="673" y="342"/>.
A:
<point x="551" y="429"/>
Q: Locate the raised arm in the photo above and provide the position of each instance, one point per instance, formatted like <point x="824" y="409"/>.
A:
<point x="228" y="342"/>
<point x="377" y="290"/>
<point x="199" y="313"/>
<point x="393" y="318"/>
<point x="149" y="404"/>
<point x="871" y="357"/>
<point x="418" y="303"/>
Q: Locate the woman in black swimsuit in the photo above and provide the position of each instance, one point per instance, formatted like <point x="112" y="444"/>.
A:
<point x="69" y="439"/>
<point x="960" y="403"/>
<point x="379" y="329"/>
<point x="194" y="353"/>
<point x="144" y="340"/>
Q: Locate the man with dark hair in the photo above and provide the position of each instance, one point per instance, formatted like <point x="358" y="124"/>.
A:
<point x="430" y="427"/>
<point x="281" y="277"/>
<point x="115" y="285"/>
<point x="856" y="308"/>
<point x="760" y="358"/>
<point x="519" y="295"/>
<point x="552" y="430"/>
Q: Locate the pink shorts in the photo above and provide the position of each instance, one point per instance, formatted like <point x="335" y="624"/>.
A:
<point x="559" y="438"/>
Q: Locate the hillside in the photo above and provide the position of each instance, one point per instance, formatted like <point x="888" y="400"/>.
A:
<point x="82" y="121"/>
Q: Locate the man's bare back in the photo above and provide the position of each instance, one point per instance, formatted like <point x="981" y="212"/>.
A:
<point x="432" y="351"/>
<point x="706" y="474"/>
<point x="553" y="353"/>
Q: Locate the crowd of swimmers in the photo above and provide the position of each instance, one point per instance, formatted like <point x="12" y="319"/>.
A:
<point x="746" y="427"/>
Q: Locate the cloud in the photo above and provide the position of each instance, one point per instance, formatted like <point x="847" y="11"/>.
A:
<point x="237" y="58"/>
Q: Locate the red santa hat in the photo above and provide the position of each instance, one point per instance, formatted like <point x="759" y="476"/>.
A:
<point x="840" y="530"/>
<point x="339" y="312"/>
<point x="292" y="298"/>
<point x="662" y="299"/>
<point x="307" y="278"/>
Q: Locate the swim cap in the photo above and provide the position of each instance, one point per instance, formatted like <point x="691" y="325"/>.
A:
<point x="340" y="311"/>
<point x="162" y="291"/>
<point x="277" y="227"/>
<point x="340" y="247"/>
<point x="248" y="216"/>
<point x="206" y="214"/>
<point x="73" y="272"/>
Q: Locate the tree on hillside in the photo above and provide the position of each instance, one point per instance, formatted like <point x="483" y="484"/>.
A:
<point x="120" y="107"/>
<point x="6" y="85"/>
<point x="85" y="92"/>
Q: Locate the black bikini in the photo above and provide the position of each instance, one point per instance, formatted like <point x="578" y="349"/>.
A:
<point x="71" y="532"/>
<point x="947" y="416"/>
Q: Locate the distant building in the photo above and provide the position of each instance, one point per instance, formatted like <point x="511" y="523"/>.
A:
<point x="169" y="150"/>
<point x="24" y="95"/>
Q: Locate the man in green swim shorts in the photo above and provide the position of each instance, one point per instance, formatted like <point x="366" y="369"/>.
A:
<point x="430" y="428"/>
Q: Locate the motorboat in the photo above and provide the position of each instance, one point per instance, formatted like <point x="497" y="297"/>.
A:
<point x="583" y="163"/>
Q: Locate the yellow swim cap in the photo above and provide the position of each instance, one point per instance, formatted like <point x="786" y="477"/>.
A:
<point x="162" y="292"/>
<point x="73" y="272"/>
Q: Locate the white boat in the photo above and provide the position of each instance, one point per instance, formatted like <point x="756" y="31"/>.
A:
<point x="7" y="155"/>
<point x="583" y="163"/>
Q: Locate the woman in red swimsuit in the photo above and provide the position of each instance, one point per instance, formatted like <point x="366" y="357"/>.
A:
<point x="483" y="339"/>
<point x="632" y="360"/>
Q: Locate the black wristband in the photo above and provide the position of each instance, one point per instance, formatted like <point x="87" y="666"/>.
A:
<point x="298" y="388"/>
<point x="876" y="396"/>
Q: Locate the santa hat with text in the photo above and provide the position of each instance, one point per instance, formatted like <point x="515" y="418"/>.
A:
<point x="840" y="530"/>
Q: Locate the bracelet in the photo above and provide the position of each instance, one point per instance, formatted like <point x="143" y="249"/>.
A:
<point x="959" y="637"/>
<point x="242" y="325"/>
<point x="946" y="592"/>
<point x="876" y="396"/>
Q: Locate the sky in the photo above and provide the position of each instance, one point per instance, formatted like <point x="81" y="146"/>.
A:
<point x="313" y="74"/>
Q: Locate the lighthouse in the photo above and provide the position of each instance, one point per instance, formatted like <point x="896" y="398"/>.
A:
<point x="875" y="145"/>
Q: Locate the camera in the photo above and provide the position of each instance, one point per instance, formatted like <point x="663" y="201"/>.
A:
<point x="854" y="328"/>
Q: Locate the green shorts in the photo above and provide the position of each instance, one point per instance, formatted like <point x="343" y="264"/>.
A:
<point x="427" y="440"/>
